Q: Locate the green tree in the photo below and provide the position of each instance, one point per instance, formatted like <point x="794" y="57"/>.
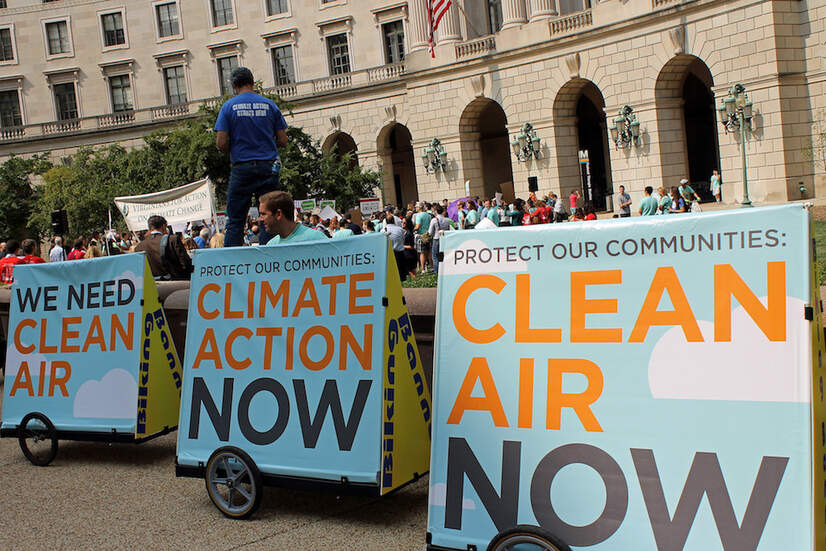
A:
<point x="18" y="195"/>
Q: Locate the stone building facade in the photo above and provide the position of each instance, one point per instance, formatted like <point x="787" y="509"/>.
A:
<point x="362" y="79"/>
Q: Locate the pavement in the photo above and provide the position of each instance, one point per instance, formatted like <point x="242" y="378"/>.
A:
<point x="125" y="496"/>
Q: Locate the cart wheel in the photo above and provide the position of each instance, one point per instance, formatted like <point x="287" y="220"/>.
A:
<point x="233" y="482"/>
<point x="526" y="538"/>
<point x="38" y="439"/>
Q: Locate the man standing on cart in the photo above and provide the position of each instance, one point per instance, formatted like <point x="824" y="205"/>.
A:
<point x="251" y="128"/>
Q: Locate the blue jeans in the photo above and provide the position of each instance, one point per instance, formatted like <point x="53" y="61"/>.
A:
<point x="247" y="180"/>
<point x="435" y="252"/>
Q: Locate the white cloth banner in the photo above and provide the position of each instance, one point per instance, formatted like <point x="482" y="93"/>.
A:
<point x="183" y="204"/>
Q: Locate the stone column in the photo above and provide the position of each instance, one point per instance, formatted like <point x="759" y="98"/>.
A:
<point x="418" y="25"/>
<point x="542" y="9"/>
<point x="449" y="29"/>
<point x="514" y="13"/>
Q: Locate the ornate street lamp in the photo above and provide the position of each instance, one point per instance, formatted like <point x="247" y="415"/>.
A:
<point x="736" y="114"/>
<point x="626" y="128"/>
<point x="526" y="144"/>
<point x="434" y="156"/>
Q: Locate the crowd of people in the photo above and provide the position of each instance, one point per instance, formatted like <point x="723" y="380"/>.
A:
<point x="414" y="230"/>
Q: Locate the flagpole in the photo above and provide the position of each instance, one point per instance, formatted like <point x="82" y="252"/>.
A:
<point x="467" y="19"/>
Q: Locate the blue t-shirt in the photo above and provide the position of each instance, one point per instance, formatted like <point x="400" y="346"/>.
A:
<point x="300" y="233"/>
<point x="251" y="121"/>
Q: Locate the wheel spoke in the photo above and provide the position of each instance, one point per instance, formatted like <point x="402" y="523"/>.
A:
<point x="244" y="493"/>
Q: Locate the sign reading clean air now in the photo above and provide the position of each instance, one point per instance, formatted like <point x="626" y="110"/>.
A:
<point x="645" y="384"/>
<point x="180" y="205"/>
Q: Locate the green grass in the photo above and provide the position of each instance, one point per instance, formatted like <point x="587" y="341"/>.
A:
<point x="426" y="280"/>
<point x="820" y="248"/>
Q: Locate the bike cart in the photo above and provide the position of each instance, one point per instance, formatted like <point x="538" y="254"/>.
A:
<point x="90" y="356"/>
<point x="645" y="384"/>
<point x="301" y="371"/>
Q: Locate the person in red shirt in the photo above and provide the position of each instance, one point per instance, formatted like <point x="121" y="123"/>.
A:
<point x="77" y="251"/>
<point x="590" y="213"/>
<point x="574" y="200"/>
<point x="30" y="252"/>
<point x="8" y="263"/>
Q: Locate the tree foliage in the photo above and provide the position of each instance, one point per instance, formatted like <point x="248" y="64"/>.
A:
<point x="89" y="180"/>
<point x="18" y="195"/>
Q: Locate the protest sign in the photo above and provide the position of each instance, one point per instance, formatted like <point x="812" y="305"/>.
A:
<point x="327" y="203"/>
<point x="303" y="356"/>
<point x="180" y="205"/>
<point x="306" y="205"/>
<point x="369" y="206"/>
<point x="633" y="368"/>
<point x="89" y="347"/>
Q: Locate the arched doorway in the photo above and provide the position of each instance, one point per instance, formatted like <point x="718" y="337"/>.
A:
<point x="341" y="144"/>
<point x="685" y="115"/>
<point x="395" y="147"/>
<point x="486" y="156"/>
<point x="581" y="142"/>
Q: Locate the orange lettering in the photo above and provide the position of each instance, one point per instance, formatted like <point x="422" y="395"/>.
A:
<point x="328" y="350"/>
<point x="524" y="332"/>
<point x="208" y="350"/>
<point x="268" y="333"/>
<point x="234" y="334"/>
<point x="490" y="402"/>
<point x="362" y="353"/>
<point x="66" y="334"/>
<point x="19" y="345"/>
<point x="665" y="279"/>
<point x="95" y="335"/>
<point x="581" y="306"/>
<point x="44" y="348"/>
<point x="230" y="314"/>
<point x="771" y="319"/>
<point x="525" y="420"/>
<point x="126" y="335"/>
<point x="208" y="288"/>
<point x="581" y="402"/>
<point x="333" y="282"/>
<point x="463" y="326"/>
<point x="356" y="293"/>
<point x="23" y="380"/>
<point x="54" y="380"/>
<point x="307" y="298"/>
<point x="282" y="294"/>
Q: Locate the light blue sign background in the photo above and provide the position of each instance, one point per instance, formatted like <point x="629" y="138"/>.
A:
<point x="288" y="455"/>
<point x="739" y="432"/>
<point x="103" y="387"/>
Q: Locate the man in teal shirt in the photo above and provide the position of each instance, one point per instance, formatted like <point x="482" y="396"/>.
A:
<point x="277" y="213"/>
<point x="421" y="223"/>
<point x="649" y="204"/>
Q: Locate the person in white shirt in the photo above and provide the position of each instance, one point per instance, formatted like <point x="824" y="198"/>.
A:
<point x="440" y="223"/>
<point x="58" y="253"/>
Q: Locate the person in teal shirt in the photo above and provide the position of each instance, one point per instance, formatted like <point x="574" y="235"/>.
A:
<point x="277" y="213"/>
<point x="472" y="216"/>
<point x="421" y="223"/>
<point x="493" y="214"/>
<point x="649" y="204"/>
<point x="664" y="202"/>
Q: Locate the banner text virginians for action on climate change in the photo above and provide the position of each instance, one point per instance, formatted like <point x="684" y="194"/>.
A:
<point x="637" y="246"/>
<point x="292" y="265"/>
<point x="31" y="334"/>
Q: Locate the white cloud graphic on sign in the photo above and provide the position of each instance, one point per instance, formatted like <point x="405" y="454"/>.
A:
<point x="14" y="359"/>
<point x="749" y="368"/>
<point x="135" y="279"/>
<point x="438" y="497"/>
<point x="113" y="397"/>
<point x="476" y="257"/>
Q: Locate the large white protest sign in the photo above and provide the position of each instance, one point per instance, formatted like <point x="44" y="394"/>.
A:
<point x="179" y="206"/>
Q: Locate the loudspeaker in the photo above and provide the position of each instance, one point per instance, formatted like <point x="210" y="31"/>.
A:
<point x="60" y="223"/>
<point x="533" y="183"/>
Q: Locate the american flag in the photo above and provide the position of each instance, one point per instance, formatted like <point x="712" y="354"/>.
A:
<point x="436" y="9"/>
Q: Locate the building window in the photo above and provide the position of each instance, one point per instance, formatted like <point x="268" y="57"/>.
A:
<point x="175" y="84"/>
<point x="2" y="3"/>
<point x="494" y="15"/>
<point x="339" y="54"/>
<point x="283" y="66"/>
<point x="6" y="47"/>
<point x="113" y="34"/>
<point x="168" y="19"/>
<point x="225" y="67"/>
<point x="10" y="109"/>
<point x="66" y="101"/>
<point x="572" y="6"/>
<point x="57" y="35"/>
<point x="393" y="41"/>
<point x="121" y="89"/>
<point x="221" y="13"/>
<point x="274" y="7"/>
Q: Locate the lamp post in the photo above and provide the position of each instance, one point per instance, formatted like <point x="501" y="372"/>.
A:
<point x="626" y="128"/>
<point x="736" y="114"/>
<point x="526" y="144"/>
<point x="434" y="156"/>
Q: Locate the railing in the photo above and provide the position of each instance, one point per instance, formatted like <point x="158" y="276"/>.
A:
<point x="116" y="119"/>
<point x="572" y="22"/>
<point x="332" y="83"/>
<point x="284" y="90"/>
<point x="476" y="47"/>
<point x="170" y="111"/>
<point x="385" y="72"/>
<point x="659" y="3"/>
<point x="59" y="127"/>
<point x="12" y="132"/>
